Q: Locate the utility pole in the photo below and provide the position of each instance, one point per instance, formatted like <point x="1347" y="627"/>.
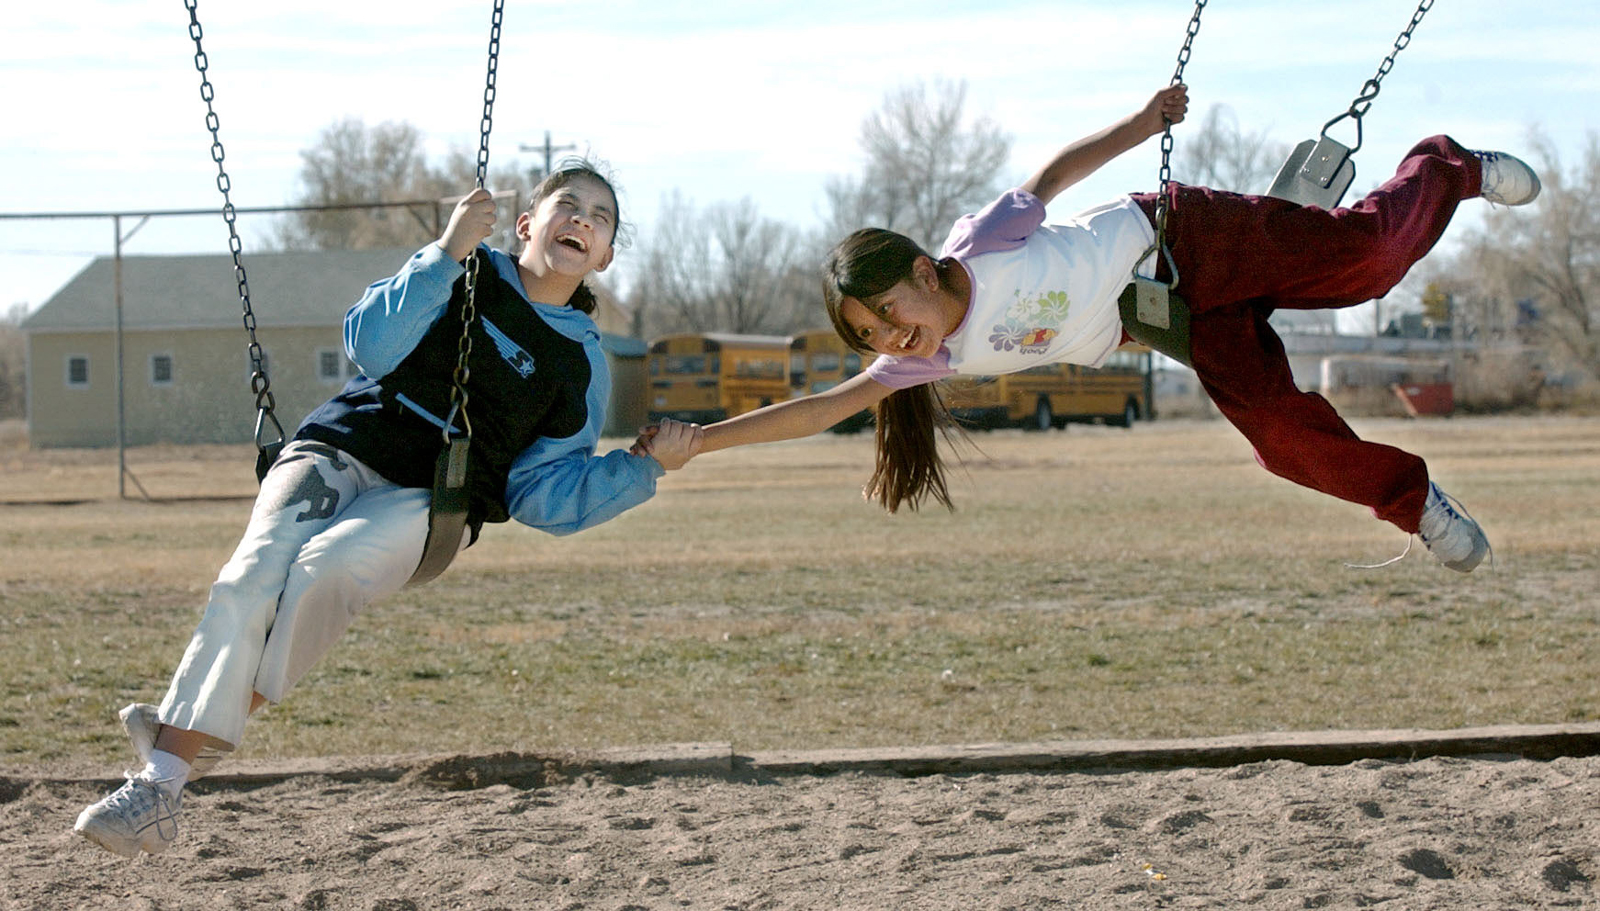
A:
<point x="548" y="150"/>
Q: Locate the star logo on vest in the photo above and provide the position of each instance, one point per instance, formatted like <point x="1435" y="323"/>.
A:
<point x="512" y="353"/>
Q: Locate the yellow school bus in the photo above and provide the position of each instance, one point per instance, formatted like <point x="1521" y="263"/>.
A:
<point x="1118" y="392"/>
<point x="820" y="360"/>
<point x="709" y="376"/>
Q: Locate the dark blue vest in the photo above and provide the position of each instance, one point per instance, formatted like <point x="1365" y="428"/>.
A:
<point x="526" y="381"/>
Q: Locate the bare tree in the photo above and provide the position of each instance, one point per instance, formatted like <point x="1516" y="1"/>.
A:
<point x="354" y="163"/>
<point x="1222" y="156"/>
<point x="757" y="256"/>
<point x="1532" y="275"/>
<point x="672" y="297"/>
<point x="723" y="269"/>
<point x="925" y="166"/>
<point x="13" y="356"/>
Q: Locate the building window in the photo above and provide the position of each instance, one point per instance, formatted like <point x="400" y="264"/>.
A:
<point x="333" y="366"/>
<point x="330" y="368"/>
<point x="77" y="371"/>
<point x="161" y="370"/>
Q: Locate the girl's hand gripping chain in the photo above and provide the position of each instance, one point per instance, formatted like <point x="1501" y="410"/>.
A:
<point x="1168" y="105"/>
<point x="471" y="223"/>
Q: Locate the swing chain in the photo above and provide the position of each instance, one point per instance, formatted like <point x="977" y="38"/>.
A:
<point x="458" y="390"/>
<point x="259" y="384"/>
<point x="1162" y="202"/>
<point x="1369" y="89"/>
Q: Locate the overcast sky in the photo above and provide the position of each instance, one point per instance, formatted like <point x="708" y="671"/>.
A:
<point x="715" y="99"/>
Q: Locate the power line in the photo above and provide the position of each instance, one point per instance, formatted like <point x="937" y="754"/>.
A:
<point x="140" y="213"/>
<point x="548" y="150"/>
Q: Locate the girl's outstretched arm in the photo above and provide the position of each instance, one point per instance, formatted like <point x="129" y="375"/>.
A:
<point x="1082" y="158"/>
<point x="796" y="418"/>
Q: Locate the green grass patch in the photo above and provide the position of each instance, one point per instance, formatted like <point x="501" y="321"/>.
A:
<point x="1093" y="583"/>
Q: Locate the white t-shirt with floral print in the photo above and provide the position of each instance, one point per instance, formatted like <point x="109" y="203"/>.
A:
<point x="1041" y="294"/>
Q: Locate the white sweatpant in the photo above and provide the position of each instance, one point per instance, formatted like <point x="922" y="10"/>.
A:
<point x="327" y="536"/>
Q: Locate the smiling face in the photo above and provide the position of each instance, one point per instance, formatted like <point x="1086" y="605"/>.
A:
<point x="569" y="231"/>
<point x="910" y="319"/>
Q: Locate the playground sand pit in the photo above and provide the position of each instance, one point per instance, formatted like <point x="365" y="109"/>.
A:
<point x="1475" y="832"/>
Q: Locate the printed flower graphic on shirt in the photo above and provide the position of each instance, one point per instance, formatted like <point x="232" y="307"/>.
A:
<point x="1031" y="322"/>
<point x="1053" y="307"/>
<point x="1007" y="336"/>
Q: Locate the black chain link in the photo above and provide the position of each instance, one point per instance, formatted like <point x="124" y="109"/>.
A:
<point x="1162" y="202"/>
<point x="260" y="385"/>
<point x="1369" y="89"/>
<point x="458" y="390"/>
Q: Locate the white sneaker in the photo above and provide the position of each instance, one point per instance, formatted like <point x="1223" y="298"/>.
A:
<point x="141" y="723"/>
<point x="1507" y="180"/>
<point x="139" y="816"/>
<point x="1453" y="537"/>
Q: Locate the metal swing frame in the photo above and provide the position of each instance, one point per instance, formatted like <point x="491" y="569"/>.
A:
<point x="447" y="511"/>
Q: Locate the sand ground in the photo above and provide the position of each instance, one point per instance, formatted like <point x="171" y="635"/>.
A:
<point x="1445" y="832"/>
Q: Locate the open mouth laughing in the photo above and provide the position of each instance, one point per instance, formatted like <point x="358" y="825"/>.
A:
<point x="911" y="340"/>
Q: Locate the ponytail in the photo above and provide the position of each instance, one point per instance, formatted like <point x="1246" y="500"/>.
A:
<point x="908" y="468"/>
<point x="583" y="299"/>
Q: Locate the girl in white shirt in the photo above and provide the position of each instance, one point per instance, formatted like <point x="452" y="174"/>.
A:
<point x="1010" y="292"/>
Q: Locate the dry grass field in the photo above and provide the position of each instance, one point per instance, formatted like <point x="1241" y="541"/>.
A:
<point x="1092" y="583"/>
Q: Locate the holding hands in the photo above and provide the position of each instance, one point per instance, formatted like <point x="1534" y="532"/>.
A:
<point x="470" y="224"/>
<point x="672" y="443"/>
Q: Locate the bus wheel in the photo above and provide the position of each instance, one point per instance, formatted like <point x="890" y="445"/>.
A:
<point x="1043" y="417"/>
<point x="1130" y="413"/>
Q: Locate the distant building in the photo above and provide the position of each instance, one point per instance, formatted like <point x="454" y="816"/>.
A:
<point x="1355" y="372"/>
<point x="185" y="367"/>
<point x="1416" y="326"/>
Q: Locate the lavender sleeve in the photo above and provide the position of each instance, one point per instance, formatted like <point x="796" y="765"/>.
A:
<point x="905" y="372"/>
<point x="1002" y="225"/>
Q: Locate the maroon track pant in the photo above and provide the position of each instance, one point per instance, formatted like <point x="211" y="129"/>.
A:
<point x="1241" y="257"/>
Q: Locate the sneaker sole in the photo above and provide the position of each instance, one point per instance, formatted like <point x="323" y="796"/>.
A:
<point x="111" y="842"/>
<point x="114" y="842"/>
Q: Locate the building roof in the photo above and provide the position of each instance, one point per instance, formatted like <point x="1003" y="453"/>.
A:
<point x="305" y="288"/>
<point x="622" y="345"/>
<point x="287" y="289"/>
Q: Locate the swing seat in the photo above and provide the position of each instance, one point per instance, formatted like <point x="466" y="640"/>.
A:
<point x="1156" y="317"/>
<point x="1316" y="173"/>
<point x="447" y="514"/>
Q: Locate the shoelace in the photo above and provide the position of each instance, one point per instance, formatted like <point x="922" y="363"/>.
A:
<point x="1410" y="539"/>
<point x="1485" y="188"/>
<point x="1451" y="505"/>
<point x="137" y="801"/>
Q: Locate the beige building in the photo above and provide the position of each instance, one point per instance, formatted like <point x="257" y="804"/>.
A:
<point x="185" y="367"/>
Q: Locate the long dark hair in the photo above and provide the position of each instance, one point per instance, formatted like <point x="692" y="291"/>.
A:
<point x="908" y="468"/>
<point x="565" y="172"/>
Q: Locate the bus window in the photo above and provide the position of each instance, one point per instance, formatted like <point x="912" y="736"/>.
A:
<point x="686" y="363"/>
